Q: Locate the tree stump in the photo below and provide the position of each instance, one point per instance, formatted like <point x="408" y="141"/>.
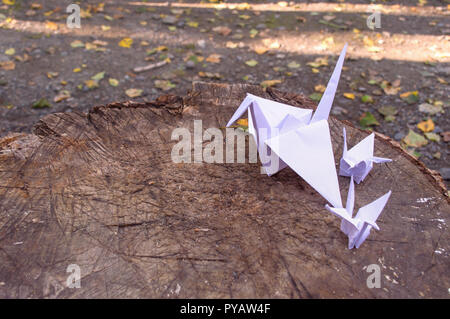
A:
<point x="101" y="191"/>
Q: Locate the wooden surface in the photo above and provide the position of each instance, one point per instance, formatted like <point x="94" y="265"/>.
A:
<point x="101" y="191"/>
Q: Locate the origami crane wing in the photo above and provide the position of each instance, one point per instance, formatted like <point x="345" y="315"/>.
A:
<point x="361" y="151"/>
<point x="358" y="161"/>
<point x="368" y="215"/>
<point x="308" y="151"/>
<point x="323" y="109"/>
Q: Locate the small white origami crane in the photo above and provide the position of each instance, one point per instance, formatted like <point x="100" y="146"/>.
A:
<point x="296" y="137"/>
<point x="358" y="228"/>
<point x="358" y="161"/>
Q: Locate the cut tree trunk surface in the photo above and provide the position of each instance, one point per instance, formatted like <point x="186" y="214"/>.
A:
<point x="101" y="191"/>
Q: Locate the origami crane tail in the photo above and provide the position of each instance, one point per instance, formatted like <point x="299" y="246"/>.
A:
<point x="241" y="109"/>
<point x="323" y="110"/>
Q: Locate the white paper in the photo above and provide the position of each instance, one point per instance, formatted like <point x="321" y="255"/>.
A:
<point x="358" y="228"/>
<point x="297" y="138"/>
<point x="358" y="161"/>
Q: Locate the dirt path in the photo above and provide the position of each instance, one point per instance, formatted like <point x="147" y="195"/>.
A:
<point x="290" y="45"/>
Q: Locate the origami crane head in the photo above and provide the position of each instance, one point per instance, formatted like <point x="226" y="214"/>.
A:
<point x="358" y="228"/>
<point x="358" y="161"/>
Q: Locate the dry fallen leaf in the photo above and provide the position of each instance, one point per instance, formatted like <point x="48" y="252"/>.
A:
<point x="77" y="44"/>
<point x="133" y="93"/>
<point x="222" y="30"/>
<point x="260" y="50"/>
<point x="319" y="88"/>
<point x="410" y="97"/>
<point x="349" y="96"/>
<point x="126" y="43"/>
<point x="270" y="83"/>
<point x="10" y="51"/>
<point x="51" y="25"/>
<point x="164" y="85"/>
<point x="426" y="126"/>
<point x="214" y="58"/>
<point x="63" y="95"/>
<point x="7" y="65"/>
<point x="113" y="82"/>
<point x="251" y="63"/>
<point x="414" y="140"/>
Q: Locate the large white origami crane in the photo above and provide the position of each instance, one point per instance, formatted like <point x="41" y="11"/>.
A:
<point x="358" y="161"/>
<point x="358" y="228"/>
<point x="297" y="138"/>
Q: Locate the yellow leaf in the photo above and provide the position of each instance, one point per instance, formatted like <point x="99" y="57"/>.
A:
<point x="10" y="51"/>
<point x="441" y="80"/>
<point x="51" y="25"/>
<point x="349" y="96"/>
<point x="271" y="44"/>
<point x="36" y="6"/>
<point x="270" y="83"/>
<point x="91" y="84"/>
<point x="90" y="46"/>
<point x="52" y="75"/>
<point x="242" y="122"/>
<point x="105" y="27"/>
<point x="319" y="88"/>
<point x="213" y="58"/>
<point x="9" y="2"/>
<point x="76" y="70"/>
<point x="193" y="24"/>
<point x="126" y="43"/>
<point x="113" y="82"/>
<point x="368" y="42"/>
<point x="7" y="65"/>
<point x="426" y="126"/>
<point x="406" y="94"/>
<point x="231" y="45"/>
<point x="64" y="95"/>
<point x="314" y="70"/>
<point x="261" y="50"/>
<point x="77" y="44"/>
